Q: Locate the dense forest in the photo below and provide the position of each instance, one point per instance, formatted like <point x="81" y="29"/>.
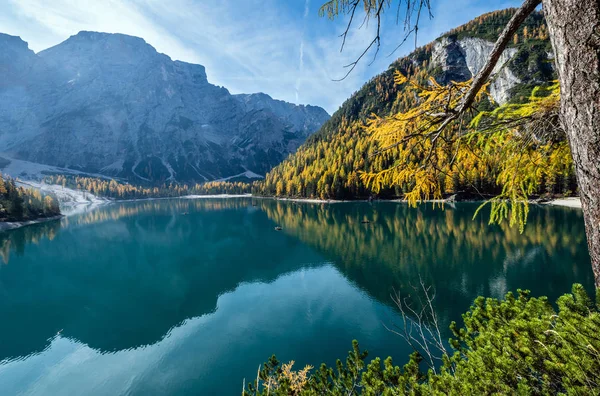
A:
<point x="119" y="190"/>
<point x="18" y="203"/>
<point x="330" y="163"/>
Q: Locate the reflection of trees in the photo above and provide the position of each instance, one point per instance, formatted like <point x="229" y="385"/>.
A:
<point x="16" y="240"/>
<point x="124" y="283"/>
<point x="123" y="275"/>
<point x="120" y="210"/>
<point x="460" y="256"/>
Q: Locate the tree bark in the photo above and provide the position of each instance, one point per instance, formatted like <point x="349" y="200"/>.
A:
<point x="574" y="27"/>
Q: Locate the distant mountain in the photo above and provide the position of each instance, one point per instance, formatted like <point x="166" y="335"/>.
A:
<point x="111" y="104"/>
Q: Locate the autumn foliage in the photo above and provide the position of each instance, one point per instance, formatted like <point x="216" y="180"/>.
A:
<point x="19" y="203"/>
<point x="121" y="190"/>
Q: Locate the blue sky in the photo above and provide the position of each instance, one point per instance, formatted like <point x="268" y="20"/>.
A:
<point x="280" y="47"/>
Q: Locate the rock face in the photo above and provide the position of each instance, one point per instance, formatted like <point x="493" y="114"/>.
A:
<point x="111" y="104"/>
<point x="460" y="60"/>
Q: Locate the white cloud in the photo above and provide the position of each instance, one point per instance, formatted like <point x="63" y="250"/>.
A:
<point x="63" y="18"/>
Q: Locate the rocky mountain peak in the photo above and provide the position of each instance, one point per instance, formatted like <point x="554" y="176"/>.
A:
<point x="301" y="117"/>
<point x="93" y="54"/>
<point x="16" y="60"/>
<point x="111" y="104"/>
<point x="12" y="43"/>
<point x="115" y="44"/>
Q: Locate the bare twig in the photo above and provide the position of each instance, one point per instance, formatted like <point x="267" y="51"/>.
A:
<point x="375" y="11"/>
<point x="420" y="327"/>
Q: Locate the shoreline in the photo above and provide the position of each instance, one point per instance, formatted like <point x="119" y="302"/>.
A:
<point x="71" y="201"/>
<point x="569" y="202"/>
<point x="75" y="201"/>
<point x="209" y="196"/>
<point x="308" y="200"/>
<point x="212" y="196"/>
<point x="13" y="225"/>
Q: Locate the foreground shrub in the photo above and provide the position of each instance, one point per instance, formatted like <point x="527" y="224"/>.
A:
<point x="519" y="345"/>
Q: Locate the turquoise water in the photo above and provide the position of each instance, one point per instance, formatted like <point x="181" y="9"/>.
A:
<point x="190" y="296"/>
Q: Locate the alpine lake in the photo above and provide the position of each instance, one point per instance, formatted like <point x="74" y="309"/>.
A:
<point x="189" y="296"/>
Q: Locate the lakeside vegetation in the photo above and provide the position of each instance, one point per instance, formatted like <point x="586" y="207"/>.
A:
<point x="335" y="167"/>
<point x="111" y="188"/>
<point x="20" y="204"/>
<point x="517" y="345"/>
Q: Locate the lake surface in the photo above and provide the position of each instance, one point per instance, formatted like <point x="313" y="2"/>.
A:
<point x="190" y="296"/>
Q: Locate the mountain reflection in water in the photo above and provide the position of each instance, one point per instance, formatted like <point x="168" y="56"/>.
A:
<point x="126" y="278"/>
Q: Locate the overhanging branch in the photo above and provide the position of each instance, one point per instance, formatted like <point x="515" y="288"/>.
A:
<point x="510" y="29"/>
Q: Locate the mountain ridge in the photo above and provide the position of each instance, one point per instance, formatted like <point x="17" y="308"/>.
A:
<point x="110" y="103"/>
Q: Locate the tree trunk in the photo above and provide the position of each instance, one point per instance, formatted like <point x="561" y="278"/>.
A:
<point x="574" y="27"/>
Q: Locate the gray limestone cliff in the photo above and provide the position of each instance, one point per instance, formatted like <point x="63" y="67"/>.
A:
<point x="461" y="59"/>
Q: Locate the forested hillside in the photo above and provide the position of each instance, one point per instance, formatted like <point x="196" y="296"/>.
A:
<point x="18" y="203"/>
<point x="329" y="164"/>
<point x="119" y="190"/>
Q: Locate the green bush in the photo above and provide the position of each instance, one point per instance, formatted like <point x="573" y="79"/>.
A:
<point x="520" y="345"/>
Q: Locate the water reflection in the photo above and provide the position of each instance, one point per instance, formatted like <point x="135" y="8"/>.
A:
<point x="194" y="290"/>
<point x="460" y="256"/>
<point x="17" y="240"/>
<point x="182" y="206"/>
<point x="124" y="283"/>
<point x="308" y="315"/>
